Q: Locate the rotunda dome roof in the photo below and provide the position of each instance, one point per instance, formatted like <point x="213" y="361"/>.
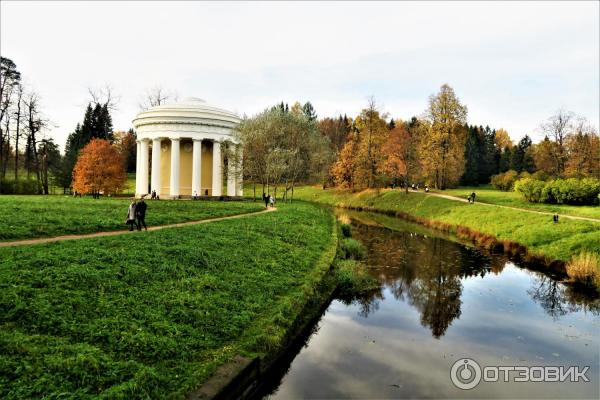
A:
<point x="190" y="110"/>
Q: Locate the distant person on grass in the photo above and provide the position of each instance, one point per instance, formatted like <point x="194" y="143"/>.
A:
<point x="272" y="201"/>
<point x="555" y="218"/>
<point x="131" y="215"/>
<point x="266" y="200"/>
<point x="140" y="214"/>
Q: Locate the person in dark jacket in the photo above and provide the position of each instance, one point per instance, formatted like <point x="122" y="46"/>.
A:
<point x="266" y="200"/>
<point x="140" y="214"/>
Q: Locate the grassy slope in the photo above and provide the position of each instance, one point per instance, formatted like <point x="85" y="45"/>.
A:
<point x="537" y="232"/>
<point x="153" y="315"/>
<point x="24" y="217"/>
<point x="487" y="194"/>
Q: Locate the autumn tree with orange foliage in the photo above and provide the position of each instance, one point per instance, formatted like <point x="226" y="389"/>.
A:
<point x="345" y="168"/>
<point x="400" y="155"/>
<point x="99" y="168"/>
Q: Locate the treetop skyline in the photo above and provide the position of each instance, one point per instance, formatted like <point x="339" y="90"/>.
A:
<point x="512" y="64"/>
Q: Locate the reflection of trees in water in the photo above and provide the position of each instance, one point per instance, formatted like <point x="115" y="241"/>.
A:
<point x="558" y="299"/>
<point x="425" y="271"/>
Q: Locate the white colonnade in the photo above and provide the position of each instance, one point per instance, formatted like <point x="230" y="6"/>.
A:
<point x="234" y="180"/>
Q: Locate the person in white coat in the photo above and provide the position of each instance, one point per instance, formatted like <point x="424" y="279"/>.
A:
<point x="131" y="215"/>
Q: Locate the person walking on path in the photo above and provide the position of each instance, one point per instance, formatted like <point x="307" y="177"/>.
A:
<point x="131" y="215"/>
<point x="266" y="200"/>
<point x="272" y="201"/>
<point x="140" y="214"/>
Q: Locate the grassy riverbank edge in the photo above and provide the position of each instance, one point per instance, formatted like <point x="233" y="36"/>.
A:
<point x="560" y="254"/>
<point x="278" y="331"/>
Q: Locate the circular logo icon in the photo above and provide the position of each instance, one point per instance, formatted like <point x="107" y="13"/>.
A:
<point x="465" y="374"/>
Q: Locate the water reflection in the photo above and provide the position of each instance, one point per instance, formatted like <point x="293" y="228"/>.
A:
<point x="440" y="301"/>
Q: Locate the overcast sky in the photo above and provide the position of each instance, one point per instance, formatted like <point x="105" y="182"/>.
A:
<point x="513" y="64"/>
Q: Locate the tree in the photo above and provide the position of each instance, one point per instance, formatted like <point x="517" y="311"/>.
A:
<point x="18" y="117"/>
<point x="344" y="169"/>
<point x="99" y="168"/>
<point x="336" y="130"/>
<point x="280" y="147"/>
<point x="156" y="96"/>
<point x="558" y="127"/>
<point x="10" y="81"/>
<point x="443" y="147"/>
<point x="473" y="148"/>
<point x="521" y="157"/>
<point x="125" y="143"/>
<point x="400" y="154"/>
<point x="373" y="130"/>
<point x="545" y="156"/>
<point x="50" y="162"/>
<point x="309" y="111"/>
<point x="503" y="139"/>
<point x="505" y="159"/>
<point x="97" y="124"/>
<point x="583" y="152"/>
<point x="33" y="125"/>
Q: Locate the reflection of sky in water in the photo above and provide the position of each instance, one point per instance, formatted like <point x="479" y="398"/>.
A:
<point x="388" y="352"/>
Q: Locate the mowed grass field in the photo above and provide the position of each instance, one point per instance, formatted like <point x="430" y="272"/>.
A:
<point x="25" y="217"/>
<point x="535" y="231"/>
<point x="487" y="194"/>
<point x="153" y="315"/>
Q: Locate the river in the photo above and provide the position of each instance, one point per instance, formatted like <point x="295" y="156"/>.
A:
<point x="440" y="302"/>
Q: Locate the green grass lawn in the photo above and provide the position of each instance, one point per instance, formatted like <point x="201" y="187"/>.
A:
<point x="24" y="217"/>
<point x="537" y="232"/>
<point x="153" y="315"/>
<point x="488" y="194"/>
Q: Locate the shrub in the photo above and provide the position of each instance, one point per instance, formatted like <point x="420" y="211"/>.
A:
<point x="346" y="230"/>
<point x="585" y="268"/>
<point x="352" y="249"/>
<point x="560" y="191"/>
<point x="505" y="181"/>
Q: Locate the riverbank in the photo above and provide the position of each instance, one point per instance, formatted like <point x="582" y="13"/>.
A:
<point x="93" y="318"/>
<point x="530" y="237"/>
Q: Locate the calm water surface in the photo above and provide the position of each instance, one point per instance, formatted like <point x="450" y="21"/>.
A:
<point x="439" y="302"/>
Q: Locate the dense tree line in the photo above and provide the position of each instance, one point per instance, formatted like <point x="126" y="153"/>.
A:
<point x="441" y="149"/>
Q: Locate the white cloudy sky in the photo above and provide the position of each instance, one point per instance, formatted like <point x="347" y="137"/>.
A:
<point x="513" y="63"/>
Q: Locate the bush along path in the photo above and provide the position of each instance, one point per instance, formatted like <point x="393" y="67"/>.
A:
<point x="125" y="232"/>
<point x="454" y="198"/>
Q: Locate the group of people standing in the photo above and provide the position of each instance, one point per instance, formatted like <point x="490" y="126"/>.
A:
<point x="269" y="200"/>
<point x="136" y="215"/>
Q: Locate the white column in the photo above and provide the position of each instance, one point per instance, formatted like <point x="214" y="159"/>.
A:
<point x="174" y="167"/>
<point x="196" y="166"/>
<point x="231" y="172"/>
<point x="156" y="178"/>
<point x="138" y="167"/>
<point x="217" y="178"/>
<point x="144" y="167"/>
<point x="240" y="173"/>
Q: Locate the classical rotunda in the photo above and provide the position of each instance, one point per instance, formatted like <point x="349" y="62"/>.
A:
<point x="181" y="150"/>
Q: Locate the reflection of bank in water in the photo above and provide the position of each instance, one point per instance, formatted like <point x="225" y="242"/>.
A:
<point x="440" y="301"/>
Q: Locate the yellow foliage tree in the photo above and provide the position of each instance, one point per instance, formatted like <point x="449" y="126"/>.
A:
<point x="372" y="130"/>
<point x="443" y="144"/>
<point x="99" y="168"/>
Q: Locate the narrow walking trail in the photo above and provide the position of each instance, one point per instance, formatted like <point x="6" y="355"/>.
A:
<point x="127" y="232"/>
<point x="454" y="198"/>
